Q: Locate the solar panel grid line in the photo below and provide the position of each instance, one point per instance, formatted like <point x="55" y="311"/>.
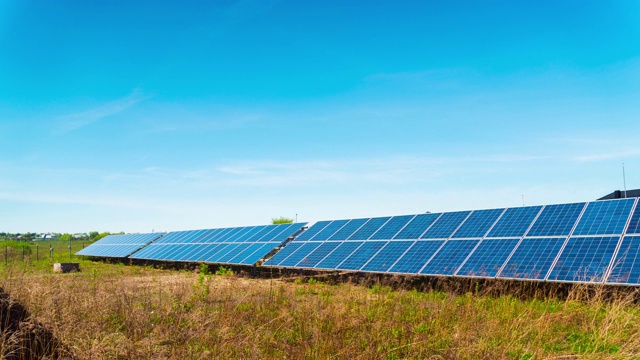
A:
<point x="615" y="252"/>
<point x="370" y="222"/>
<point x="354" y="245"/>
<point x="275" y="231"/>
<point x="215" y="258"/>
<point x="398" y="231"/>
<point x="289" y="255"/>
<point x="227" y="235"/>
<point x="195" y="249"/>
<point x="593" y="221"/>
<point x="268" y="231"/>
<point x="431" y="225"/>
<point x="564" y="245"/>
<point x="245" y="235"/>
<point x="479" y="242"/>
<point x="445" y="242"/>
<point x="520" y="242"/>
<point x="401" y="256"/>
<point x="440" y="220"/>
<point x="218" y="234"/>
<point x="329" y="253"/>
<point x="332" y="245"/>
<point x="313" y="230"/>
<point x="634" y="225"/>
<point x="340" y="224"/>
<point x="399" y="236"/>
<point x="347" y="228"/>
<point x="351" y="253"/>
<point x="453" y="236"/>
<point x="290" y="232"/>
<point x="248" y="251"/>
<point x="251" y="257"/>
<point x="236" y="237"/>
<point x="373" y="256"/>
<point x="627" y="270"/>
<point x="574" y="247"/>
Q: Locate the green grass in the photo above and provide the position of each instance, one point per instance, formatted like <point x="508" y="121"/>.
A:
<point x="123" y="311"/>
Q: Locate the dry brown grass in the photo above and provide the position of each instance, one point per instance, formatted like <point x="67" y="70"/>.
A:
<point x="136" y="313"/>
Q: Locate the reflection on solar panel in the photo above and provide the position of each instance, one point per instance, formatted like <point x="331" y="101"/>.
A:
<point x="626" y="266"/>
<point x="235" y="246"/>
<point x="604" y="217"/>
<point x="488" y="258"/>
<point x="532" y="259"/>
<point x="449" y="258"/>
<point x="634" y="224"/>
<point x="118" y="245"/>
<point x="565" y="242"/>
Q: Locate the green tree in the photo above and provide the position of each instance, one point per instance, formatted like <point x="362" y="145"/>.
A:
<point x="281" y="220"/>
<point x="65" y="237"/>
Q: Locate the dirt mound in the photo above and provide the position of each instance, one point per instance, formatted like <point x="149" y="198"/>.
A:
<point x="23" y="338"/>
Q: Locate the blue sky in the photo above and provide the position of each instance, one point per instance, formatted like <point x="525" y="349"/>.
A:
<point x="161" y="115"/>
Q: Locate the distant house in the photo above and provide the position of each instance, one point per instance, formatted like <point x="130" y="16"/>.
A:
<point x="80" y="235"/>
<point x="45" y="237"/>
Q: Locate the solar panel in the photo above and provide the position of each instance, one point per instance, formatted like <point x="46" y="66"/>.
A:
<point x="284" y="253"/>
<point x="361" y="256"/>
<point x="417" y="226"/>
<point x="118" y="245"/>
<point x="487" y="259"/>
<point x="514" y="222"/>
<point x="331" y="229"/>
<point x="313" y="230"/>
<point x="604" y="217"/>
<point x="449" y="258"/>
<point x="634" y="224"/>
<point x="347" y="230"/>
<point x="338" y="255"/>
<point x="446" y="225"/>
<point x="295" y="257"/>
<point x="223" y="246"/>
<point x="416" y="256"/>
<point x="387" y="256"/>
<point x="584" y="259"/>
<point x="532" y="259"/>
<point x="392" y="227"/>
<point x="556" y="220"/>
<point x="478" y="223"/>
<point x="626" y="266"/>
<point x="314" y="257"/>
<point x="369" y="228"/>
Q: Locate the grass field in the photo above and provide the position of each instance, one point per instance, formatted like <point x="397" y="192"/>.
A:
<point x="117" y="311"/>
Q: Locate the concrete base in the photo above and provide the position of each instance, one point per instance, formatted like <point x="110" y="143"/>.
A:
<point x="66" y="267"/>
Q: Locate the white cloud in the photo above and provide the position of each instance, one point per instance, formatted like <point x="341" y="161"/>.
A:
<point x="74" y="121"/>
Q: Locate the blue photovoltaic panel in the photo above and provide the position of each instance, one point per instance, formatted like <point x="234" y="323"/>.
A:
<point x="584" y="259"/>
<point x="247" y="234"/>
<point x="246" y="251"/>
<point x="282" y="232"/>
<point x="387" y="256"/>
<point x="362" y="255"/>
<point x="487" y="259"/>
<point x="392" y="227"/>
<point x="449" y="258"/>
<point x="118" y="245"/>
<point x="626" y="266"/>
<point x="514" y="222"/>
<point x="226" y="237"/>
<point x="259" y="254"/>
<point x="216" y="257"/>
<point x="446" y="225"/>
<point x="302" y="252"/>
<point x="477" y="224"/>
<point x="417" y="226"/>
<point x="313" y="230"/>
<point x="347" y="230"/>
<point x="556" y="220"/>
<point x="532" y="259"/>
<point x="331" y="229"/>
<point x="369" y="228"/>
<point x="415" y="258"/>
<point x="283" y="253"/>
<point x="312" y="259"/>
<point x="232" y="253"/>
<point x="338" y="255"/>
<point x="604" y="217"/>
<point x="256" y="236"/>
<point x="634" y="224"/>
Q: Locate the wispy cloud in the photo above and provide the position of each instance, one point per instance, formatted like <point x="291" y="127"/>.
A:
<point x="75" y="121"/>
<point x="620" y="155"/>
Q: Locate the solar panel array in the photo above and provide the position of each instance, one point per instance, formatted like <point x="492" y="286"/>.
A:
<point x="118" y="246"/>
<point x="580" y="242"/>
<point x="232" y="246"/>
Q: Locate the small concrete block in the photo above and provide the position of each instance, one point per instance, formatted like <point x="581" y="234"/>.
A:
<point x="66" y="267"/>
